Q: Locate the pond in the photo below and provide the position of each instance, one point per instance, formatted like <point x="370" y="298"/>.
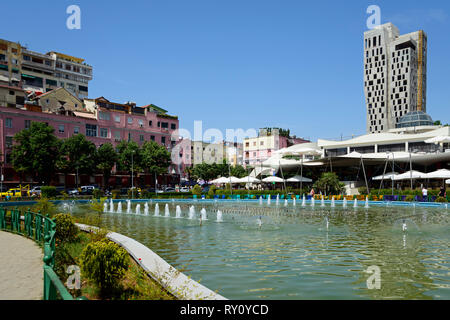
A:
<point x="252" y="250"/>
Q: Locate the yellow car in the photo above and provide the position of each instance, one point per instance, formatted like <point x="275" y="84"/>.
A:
<point x="15" y="193"/>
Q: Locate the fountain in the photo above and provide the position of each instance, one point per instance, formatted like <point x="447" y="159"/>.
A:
<point x="138" y="208"/>
<point x="260" y="200"/>
<point x="355" y="204"/>
<point x="146" y="209"/>
<point x="327" y="222"/>
<point x="105" y="207"/>
<point x="259" y="222"/>
<point x="111" y="205"/>
<point x="191" y="212"/>
<point x="268" y="199"/>
<point x="278" y="199"/>
<point x="322" y="202"/>
<point x="333" y="203"/>
<point x="367" y="203"/>
<point x="128" y="206"/>
<point x="304" y="201"/>
<point x="178" y="212"/>
<point x="119" y="207"/>
<point x="285" y="202"/>
<point x="344" y="203"/>
<point x="203" y="214"/>
<point x="219" y="216"/>
<point x="156" y="210"/>
<point x="294" y="202"/>
<point x="313" y="202"/>
<point x="166" y="211"/>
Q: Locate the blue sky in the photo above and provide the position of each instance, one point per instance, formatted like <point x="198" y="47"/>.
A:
<point x="236" y="64"/>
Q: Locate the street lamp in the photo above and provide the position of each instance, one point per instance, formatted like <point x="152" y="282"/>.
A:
<point x="132" y="175"/>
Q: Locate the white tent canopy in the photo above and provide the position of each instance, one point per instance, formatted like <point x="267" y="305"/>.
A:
<point x="273" y="179"/>
<point x="387" y="176"/>
<point x="410" y="175"/>
<point x="298" y="179"/>
<point x="447" y="181"/>
<point x="223" y="180"/>
<point x="249" y="180"/>
<point x="298" y="150"/>
<point x="439" y="174"/>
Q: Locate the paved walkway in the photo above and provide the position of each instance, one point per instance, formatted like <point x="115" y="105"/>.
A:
<point x="21" y="268"/>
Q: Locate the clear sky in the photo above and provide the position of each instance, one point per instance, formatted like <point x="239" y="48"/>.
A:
<point x="235" y="64"/>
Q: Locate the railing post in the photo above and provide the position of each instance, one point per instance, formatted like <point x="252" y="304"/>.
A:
<point x="2" y="218"/>
<point x="49" y="288"/>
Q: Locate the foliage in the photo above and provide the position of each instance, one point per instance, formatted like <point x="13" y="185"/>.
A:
<point x="409" y="198"/>
<point x="212" y="171"/>
<point x="45" y="207"/>
<point x="105" y="158"/>
<point x="128" y="156"/>
<point x="66" y="231"/>
<point x="154" y="158"/>
<point x="115" y="193"/>
<point x="105" y="263"/>
<point x="441" y="200"/>
<point x="197" y="190"/>
<point x="48" y="192"/>
<point x="329" y="184"/>
<point x="36" y="151"/>
<point x="97" y="194"/>
<point x="212" y="191"/>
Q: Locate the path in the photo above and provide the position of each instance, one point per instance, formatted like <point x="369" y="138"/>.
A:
<point x="21" y="268"/>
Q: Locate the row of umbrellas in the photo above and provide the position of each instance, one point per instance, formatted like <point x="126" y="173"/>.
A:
<point x="439" y="174"/>
<point x="249" y="179"/>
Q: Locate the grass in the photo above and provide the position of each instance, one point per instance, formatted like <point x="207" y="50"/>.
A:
<point x="135" y="285"/>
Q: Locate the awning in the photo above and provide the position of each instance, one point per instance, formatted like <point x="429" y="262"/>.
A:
<point x="27" y="76"/>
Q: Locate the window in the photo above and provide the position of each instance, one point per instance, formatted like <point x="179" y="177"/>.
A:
<point x="104" y="132"/>
<point x="117" y="135"/>
<point x="61" y="128"/>
<point x="141" y="137"/>
<point x="152" y="138"/>
<point x="27" y="124"/>
<point x="103" y="115"/>
<point x="9" y="142"/>
<point x="8" y="123"/>
<point x="150" y="123"/>
<point x="91" y="130"/>
<point x="129" y="136"/>
<point x="165" y="125"/>
<point x="76" y="130"/>
<point x="130" y="120"/>
<point x="261" y="143"/>
<point x="173" y="126"/>
<point x="117" y="118"/>
<point x="163" y="140"/>
<point x="141" y="123"/>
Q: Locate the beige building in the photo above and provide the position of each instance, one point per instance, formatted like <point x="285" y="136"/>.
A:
<point x="39" y="72"/>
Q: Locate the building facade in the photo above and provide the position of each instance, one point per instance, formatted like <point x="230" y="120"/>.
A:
<point x="39" y="72"/>
<point x="395" y="81"/>
<point x="100" y="120"/>
<point x="259" y="149"/>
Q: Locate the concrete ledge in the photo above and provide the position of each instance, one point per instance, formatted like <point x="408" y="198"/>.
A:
<point x="178" y="284"/>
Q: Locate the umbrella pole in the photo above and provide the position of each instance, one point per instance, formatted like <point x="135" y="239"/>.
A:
<point x="382" y="178"/>
<point x="284" y="181"/>
<point x="301" y="175"/>
<point x="365" y="177"/>
<point x="229" y="174"/>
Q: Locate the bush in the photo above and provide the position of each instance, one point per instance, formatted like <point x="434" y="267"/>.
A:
<point x="197" y="190"/>
<point x="45" y="207"/>
<point x="104" y="263"/>
<point x="97" y="193"/>
<point x="48" y="192"/>
<point x="410" y="198"/>
<point x="441" y="200"/>
<point x="66" y="231"/>
<point x="115" y="194"/>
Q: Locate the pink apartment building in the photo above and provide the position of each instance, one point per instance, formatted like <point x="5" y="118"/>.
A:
<point x="100" y="120"/>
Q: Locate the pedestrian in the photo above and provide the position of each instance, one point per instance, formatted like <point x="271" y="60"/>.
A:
<point x="424" y="194"/>
<point x="312" y="193"/>
<point x="443" y="192"/>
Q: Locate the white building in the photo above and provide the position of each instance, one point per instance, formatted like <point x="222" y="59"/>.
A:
<point x="395" y="68"/>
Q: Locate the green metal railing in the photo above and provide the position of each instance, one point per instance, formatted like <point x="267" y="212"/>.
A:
<point x="41" y="229"/>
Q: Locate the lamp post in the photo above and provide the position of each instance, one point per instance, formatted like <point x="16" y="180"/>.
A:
<point x="132" y="175"/>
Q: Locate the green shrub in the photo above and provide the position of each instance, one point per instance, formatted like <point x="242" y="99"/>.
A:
<point x="97" y="193"/>
<point x="48" y="192"/>
<point x="197" y="190"/>
<point x="45" y="207"/>
<point x="115" y="194"/>
<point x="409" y="198"/>
<point x="441" y="200"/>
<point x="66" y="231"/>
<point x="104" y="263"/>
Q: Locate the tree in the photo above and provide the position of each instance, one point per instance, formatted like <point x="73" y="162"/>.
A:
<point x="129" y="155"/>
<point x="105" y="158"/>
<point x="155" y="159"/>
<point x="80" y="154"/>
<point x="329" y="184"/>
<point x="238" y="171"/>
<point x="36" y="151"/>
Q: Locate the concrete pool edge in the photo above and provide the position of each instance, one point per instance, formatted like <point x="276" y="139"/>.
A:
<point x="177" y="283"/>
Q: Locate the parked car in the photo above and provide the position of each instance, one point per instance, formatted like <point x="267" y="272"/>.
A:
<point x="73" y="192"/>
<point x="169" y="189"/>
<point x="36" y="191"/>
<point x="184" y="189"/>
<point x="87" y="190"/>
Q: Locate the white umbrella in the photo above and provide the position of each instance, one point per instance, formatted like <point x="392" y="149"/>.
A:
<point x="273" y="179"/>
<point x="299" y="179"/>
<point x="387" y="176"/>
<point x="439" y="139"/>
<point x="221" y="180"/>
<point x="249" y="180"/>
<point x="298" y="150"/>
<point x="447" y="182"/>
<point x="409" y="175"/>
<point x="233" y="180"/>
<point x="439" y="174"/>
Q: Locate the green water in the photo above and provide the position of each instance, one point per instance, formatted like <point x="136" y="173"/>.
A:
<point x="294" y="255"/>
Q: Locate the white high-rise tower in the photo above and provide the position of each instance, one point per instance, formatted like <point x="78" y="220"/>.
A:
<point x="395" y="80"/>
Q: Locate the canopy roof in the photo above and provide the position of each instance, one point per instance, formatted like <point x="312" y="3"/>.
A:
<point x="298" y="179"/>
<point x="439" y="174"/>
<point x="273" y="179"/>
